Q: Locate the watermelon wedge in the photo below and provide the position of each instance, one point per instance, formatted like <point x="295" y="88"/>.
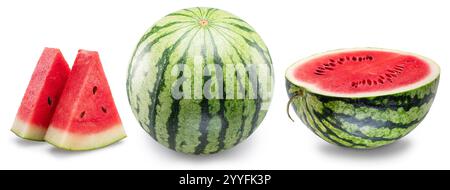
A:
<point x="41" y="96"/>
<point x="362" y="98"/>
<point x="86" y="116"/>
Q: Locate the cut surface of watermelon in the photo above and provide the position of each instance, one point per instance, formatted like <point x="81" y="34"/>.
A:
<point x="42" y="95"/>
<point x="362" y="72"/>
<point x="86" y="117"/>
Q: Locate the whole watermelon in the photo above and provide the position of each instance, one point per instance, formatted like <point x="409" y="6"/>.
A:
<point x="200" y="80"/>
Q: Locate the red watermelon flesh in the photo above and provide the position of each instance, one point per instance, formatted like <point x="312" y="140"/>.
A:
<point x="86" y="117"/>
<point x="42" y="95"/>
<point x="362" y="72"/>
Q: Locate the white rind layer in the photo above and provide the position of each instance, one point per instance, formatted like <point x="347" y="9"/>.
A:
<point x="28" y="131"/>
<point x="434" y="73"/>
<point x="73" y="141"/>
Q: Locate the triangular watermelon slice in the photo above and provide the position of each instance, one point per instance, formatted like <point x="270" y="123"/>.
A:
<point x="41" y="96"/>
<point x="86" y="116"/>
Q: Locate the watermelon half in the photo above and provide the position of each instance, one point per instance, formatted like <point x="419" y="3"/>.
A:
<point x="362" y="98"/>
<point x="86" y="116"/>
<point x="41" y="96"/>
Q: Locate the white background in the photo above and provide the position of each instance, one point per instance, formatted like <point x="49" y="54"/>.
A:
<point x="291" y="29"/>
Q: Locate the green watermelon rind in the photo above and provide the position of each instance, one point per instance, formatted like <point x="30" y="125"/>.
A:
<point x="363" y="123"/>
<point x="184" y="133"/>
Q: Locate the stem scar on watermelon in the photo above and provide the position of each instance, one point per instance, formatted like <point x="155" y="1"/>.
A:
<point x="86" y="117"/>
<point x="362" y="98"/>
<point x="41" y="96"/>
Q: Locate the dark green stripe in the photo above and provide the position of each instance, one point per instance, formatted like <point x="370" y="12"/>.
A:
<point x="210" y="11"/>
<point x="156" y="29"/>
<point x="180" y="14"/>
<point x="200" y="10"/>
<point x="150" y="44"/>
<point x="356" y="134"/>
<point x="138" y="109"/>
<point x="375" y="123"/>
<point x="227" y="38"/>
<point x="241" y="132"/>
<point x="303" y="116"/>
<point x="253" y="44"/>
<point x="218" y="60"/>
<point x="205" y="115"/>
<point x="261" y="52"/>
<point x="258" y="100"/>
<point x="241" y="27"/>
<point x="376" y="103"/>
<point x="146" y="49"/>
<point x="244" y="117"/>
<point x="204" y="122"/>
<point x="329" y="132"/>
<point x="317" y="131"/>
<point x="162" y="64"/>
<point x="336" y="123"/>
<point x="223" y="27"/>
<point x="234" y="18"/>
<point x="327" y="113"/>
<point x="153" y="95"/>
<point x="172" y="127"/>
<point x="193" y="14"/>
